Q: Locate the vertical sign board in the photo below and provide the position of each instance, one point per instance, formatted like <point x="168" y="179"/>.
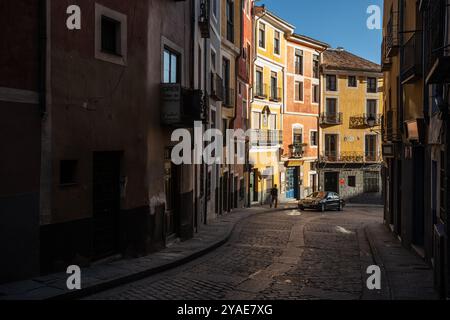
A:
<point x="171" y="103"/>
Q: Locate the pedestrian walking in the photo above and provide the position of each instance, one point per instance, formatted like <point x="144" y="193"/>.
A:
<point x="274" y="197"/>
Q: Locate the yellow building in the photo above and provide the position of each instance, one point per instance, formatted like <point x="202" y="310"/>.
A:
<point x="350" y="126"/>
<point x="268" y="102"/>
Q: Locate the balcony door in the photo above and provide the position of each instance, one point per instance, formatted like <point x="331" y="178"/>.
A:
<point x="371" y="147"/>
<point x="331" y="146"/>
<point x="331" y="107"/>
<point x="371" y="108"/>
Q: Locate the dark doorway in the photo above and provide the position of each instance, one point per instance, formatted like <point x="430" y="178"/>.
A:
<point x="331" y="182"/>
<point x="171" y="186"/>
<point x="106" y="203"/>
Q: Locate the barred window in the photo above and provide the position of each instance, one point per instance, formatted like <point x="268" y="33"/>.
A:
<point x="371" y="182"/>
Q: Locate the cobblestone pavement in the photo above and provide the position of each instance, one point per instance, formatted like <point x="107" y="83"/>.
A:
<point x="278" y="255"/>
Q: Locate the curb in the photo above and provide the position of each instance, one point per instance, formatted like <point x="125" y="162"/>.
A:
<point x="378" y="261"/>
<point x="97" y="288"/>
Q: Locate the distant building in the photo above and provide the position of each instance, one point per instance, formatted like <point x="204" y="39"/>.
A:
<point x="350" y="159"/>
<point x="301" y="115"/>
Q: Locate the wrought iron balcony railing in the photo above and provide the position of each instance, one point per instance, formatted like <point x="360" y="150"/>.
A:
<point x="275" y="94"/>
<point x="365" y="120"/>
<point x="296" y="151"/>
<point x="391" y="37"/>
<point x="330" y="118"/>
<point x="266" y="138"/>
<point x="351" y="157"/>
<point x="261" y="91"/>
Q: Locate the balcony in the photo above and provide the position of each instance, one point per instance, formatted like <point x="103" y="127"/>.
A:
<point x="351" y="157"/>
<point x="437" y="49"/>
<point x="411" y="69"/>
<point x="181" y="106"/>
<point x="391" y="38"/>
<point x="330" y="119"/>
<point x="266" y="138"/>
<point x="261" y="91"/>
<point x="365" y="121"/>
<point x="275" y="94"/>
<point x="296" y="151"/>
<point x="228" y="97"/>
<point x="216" y="87"/>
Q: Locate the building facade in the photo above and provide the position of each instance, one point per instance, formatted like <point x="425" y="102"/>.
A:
<point x="301" y="115"/>
<point x="416" y="67"/>
<point x="268" y="103"/>
<point x="350" y="147"/>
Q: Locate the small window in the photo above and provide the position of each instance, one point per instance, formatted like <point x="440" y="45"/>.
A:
<point x="171" y="66"/>
<point x="277" y="43"/>
<point x="316" y="63"/>
<point x="313" y="139"/>
<point x="352" y="82"/>
<point x="331" y="83"/>
<point x="316" y="93"/>
<point x="262" y="35"/>
<point x="298" y="61"/>
<point x="298" y="91"/>
<point x="68" y="171"/>
<point x="352" y="181"/>
<point x="213" y="60"/>
<point x="372" y="85"/>
<point x="110" y="35"/>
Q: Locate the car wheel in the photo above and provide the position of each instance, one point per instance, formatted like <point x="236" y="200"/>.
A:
<point x="302" y="208"/>
<point x="339" y="207"/>
<point x="322" y="207"/>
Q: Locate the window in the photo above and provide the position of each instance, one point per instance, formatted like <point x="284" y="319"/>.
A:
<point x="316" y="63"/>
<point x="298" y="91"/>
<point x="171" y="66"/>
<point x="262" y="35"/>
<point x="331" y="106"/>
<point x="230" y="20"/>
<point x="273" y="122"/>
<point x="371" y="148"/>
<point x="276" y="40"/>
<point x="371" y="108"/>
<point x="314" y="139"/>
<point x="331" y="83"/>
<point x="274" y="86"/>
<point x="226" y="73"/>
<point x="67" y="172"/>
<point x="298" y="61"/>
<point x="297" y="136"/>
<point x="316" y="93"/>
<point x="259" y="82"/>
<point x="352" y="181"/>
<point x="371" y="182"/>
<point x="110" y="36"/>
<point x="331" y="146"/>
<point x="372" y="85"/>
<point x="213" y="60"/>
<point x="352" y="82"/>
<point x="256" y="120"/>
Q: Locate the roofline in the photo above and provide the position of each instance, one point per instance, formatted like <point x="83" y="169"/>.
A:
<point x="302" y="38"/>
<point x="262" y="11"/>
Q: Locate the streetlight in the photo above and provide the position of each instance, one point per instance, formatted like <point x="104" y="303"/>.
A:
<point x="371" y="121"/>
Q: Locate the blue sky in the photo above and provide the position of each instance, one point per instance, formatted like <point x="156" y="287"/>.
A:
<point x="340" y="23"/>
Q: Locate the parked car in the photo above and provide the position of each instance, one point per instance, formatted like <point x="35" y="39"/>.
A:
<point x="322" y="201"/>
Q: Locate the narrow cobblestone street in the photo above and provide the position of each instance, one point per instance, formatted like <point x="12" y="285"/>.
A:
<point x="277" y="255"/>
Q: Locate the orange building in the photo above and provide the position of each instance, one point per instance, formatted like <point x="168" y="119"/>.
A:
<point x="300" y="115"/>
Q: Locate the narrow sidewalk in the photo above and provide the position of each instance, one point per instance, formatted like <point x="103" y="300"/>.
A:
<point x="105" y="276"/>
<point x="405" y="276"/>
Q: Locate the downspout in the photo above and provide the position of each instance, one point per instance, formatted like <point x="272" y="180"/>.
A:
<point x="319" y="133"/>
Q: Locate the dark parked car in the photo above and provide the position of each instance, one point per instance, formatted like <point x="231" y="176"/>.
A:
<point x="322" y="201"/>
